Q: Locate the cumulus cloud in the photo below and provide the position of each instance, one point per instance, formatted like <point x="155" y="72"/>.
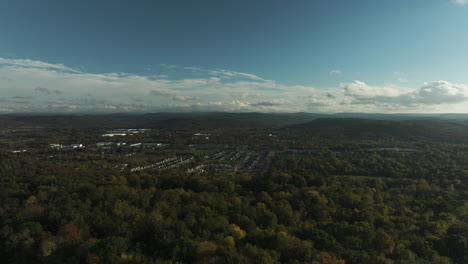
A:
<point x="438" y="92"/>
<point x="313" y="101"/>
<point x="318" y="101"/>
<point x="362" y="90"/>
<point x="431" y="93"/>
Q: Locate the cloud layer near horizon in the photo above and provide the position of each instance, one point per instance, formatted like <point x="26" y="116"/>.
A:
<point x="35" y="86"/>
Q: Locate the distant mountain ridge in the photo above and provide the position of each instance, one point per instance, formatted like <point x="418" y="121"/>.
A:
<point x="176" y="121"/>
<point x="356" y="128"/>
<point x="342" y="125"/>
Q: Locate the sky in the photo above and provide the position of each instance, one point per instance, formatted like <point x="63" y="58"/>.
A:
<point x="321" y="56"/>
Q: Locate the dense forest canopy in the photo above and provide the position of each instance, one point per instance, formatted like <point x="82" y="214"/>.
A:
<point x="322" y="192"/>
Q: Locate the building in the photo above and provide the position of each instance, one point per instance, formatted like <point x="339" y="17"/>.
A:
<point x="74" y="146"/>
<point x="114" y="134"/>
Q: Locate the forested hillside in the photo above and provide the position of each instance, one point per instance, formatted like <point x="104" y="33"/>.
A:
<point x="327" y="192"/>
<point x="355" y="128"/>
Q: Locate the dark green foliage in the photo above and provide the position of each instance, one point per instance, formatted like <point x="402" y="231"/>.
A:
<point x="58" y="214"/>
<point x="320" y="202"/>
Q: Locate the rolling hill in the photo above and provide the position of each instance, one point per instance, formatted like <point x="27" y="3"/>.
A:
<point x="355" y="128"/>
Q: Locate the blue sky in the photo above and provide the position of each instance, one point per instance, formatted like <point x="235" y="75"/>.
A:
<point x="399" y="56"/>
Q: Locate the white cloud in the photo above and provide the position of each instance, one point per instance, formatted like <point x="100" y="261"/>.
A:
<point x="169" y="66"/>
<point x="362" y="90"/>
<point x="181" y="98"/>
<point x="220" y="90"/>
<point x="234" y="74"/>
<point x="431" y="93"/>
<point x="335" y="72"/>
<point x="161" y="93"/>
<point x="401" y="76"/>
<point x="270" y="103"/>
<point x="35" y="64"/>
<point x="26" y="88"/>
<point x="459" y="2"/>
<point x="241" y="106"/>
<point x="192" y="68"/>
<point x="438" y="92"/>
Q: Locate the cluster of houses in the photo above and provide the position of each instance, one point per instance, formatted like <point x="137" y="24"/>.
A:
<point x="125" y="132"/>
<point x="24" y="129"/>
<point x="71" y="146"/>
<point x="106" y="144"/>
<point x="215" y="167"/>
<point x="7" y="131"/>
<point x="133" y="145"/>
<point x="206" y="136"/>
<point x="163" y="164"/>
<point x="19" y="151"/>
<point x="110" y="144"/>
